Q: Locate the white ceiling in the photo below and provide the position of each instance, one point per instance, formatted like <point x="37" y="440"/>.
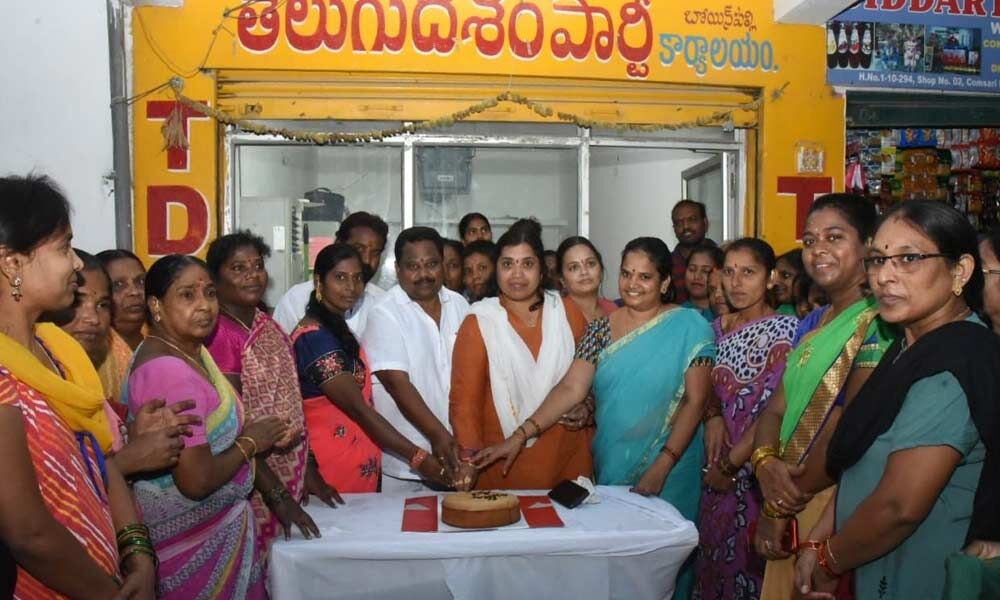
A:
<point x="808" y="12"/>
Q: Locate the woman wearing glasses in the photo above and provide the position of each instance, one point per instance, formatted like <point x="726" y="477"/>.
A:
<point x="920" y="413"/>
<point x="989" y="252"/>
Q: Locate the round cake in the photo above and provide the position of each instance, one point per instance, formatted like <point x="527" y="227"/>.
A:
<point x="480" y="509"/>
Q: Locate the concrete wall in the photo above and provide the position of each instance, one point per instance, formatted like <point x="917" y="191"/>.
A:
<point x="54" y="107"/>
<point x="632" y="191"/>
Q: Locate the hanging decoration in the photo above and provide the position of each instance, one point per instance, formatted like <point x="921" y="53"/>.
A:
<point x="714" y="119"/>
<point x="174" y="137"/>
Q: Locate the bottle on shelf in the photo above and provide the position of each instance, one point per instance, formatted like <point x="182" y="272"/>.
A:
<point x="854" y="50"/>
<point x="866" y="47"/>
<point x="842" y="58"/>
<point x="831" y="44"/>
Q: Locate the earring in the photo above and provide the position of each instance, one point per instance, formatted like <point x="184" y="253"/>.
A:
<point x="15" y="289"/>
<point x="957" y="292"/>
<point x="157" y="317"/>
<point x="319" y="296"/>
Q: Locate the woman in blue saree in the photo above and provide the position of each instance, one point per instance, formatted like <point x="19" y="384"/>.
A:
<point x="650" y="368"/>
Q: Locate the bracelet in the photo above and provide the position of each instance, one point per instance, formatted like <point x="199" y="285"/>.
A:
<point x="669" y="452"/>
<point x="770" y="512"/>
<point x="711" y="411"/>
<point x="252" y="442"/>
<point x="520" y="429"/>
<point x="538" y="428"/>
<point x="135" y="540"/>
<point x="829" y="551"/>
<point x="761" y="454"/>
<point x="247" y="456"/>
<point x="809" y="545"/>
<point x="276" y="495"/>
<point x="727" y="467"/>
<point x="239" y="446"/>
<point x="138" y="550"/>
<point x="418" y="458"/>
<point x="824" y="551"/>
<point x="131" y="529"/>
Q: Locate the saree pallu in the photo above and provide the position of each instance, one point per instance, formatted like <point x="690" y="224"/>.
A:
<point x="206" y="547"/>
<point x="815" y="375"/>
<point x="114" y="370"/>
<point x="639" y="385"/>
<point x="263" y="359"/>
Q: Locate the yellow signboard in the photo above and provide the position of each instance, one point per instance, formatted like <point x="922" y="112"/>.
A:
<point x="713" y="47"/>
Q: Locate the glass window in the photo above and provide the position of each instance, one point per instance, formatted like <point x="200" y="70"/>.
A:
<point x="297" y="196"/>
<point x="632" y="191"/>
<point x="505" y="184"/>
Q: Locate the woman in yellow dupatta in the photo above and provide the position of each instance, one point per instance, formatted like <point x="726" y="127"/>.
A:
<point x="836" y="348"/>
<point x="53" y="427"/>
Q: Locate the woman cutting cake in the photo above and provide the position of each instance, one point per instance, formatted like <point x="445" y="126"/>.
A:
<point x="650" y="367"/>
<point x="509" y="353"/>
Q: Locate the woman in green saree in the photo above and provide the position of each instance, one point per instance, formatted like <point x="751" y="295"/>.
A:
<point x="836" y="348"/>
<point x="650" y="367"/>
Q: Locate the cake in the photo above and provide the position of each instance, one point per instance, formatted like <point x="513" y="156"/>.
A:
<point x="480" y="509"/>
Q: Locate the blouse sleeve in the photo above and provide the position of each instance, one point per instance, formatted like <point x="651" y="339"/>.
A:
<point x="880" y="337"/>
<point x="147" y="383"/>
<point x="575" y="317"/>
<point x="470" y="375"/>
<point x="704" y="337"/>
<point x="320" y="357"/>
<point x="595" y="339"/>
<point x="226" y="348"/>
<point x="935" y="413"/>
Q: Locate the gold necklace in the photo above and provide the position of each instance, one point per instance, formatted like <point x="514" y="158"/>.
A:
<point x="183" y="353"/>
<point x="240" y="321"/>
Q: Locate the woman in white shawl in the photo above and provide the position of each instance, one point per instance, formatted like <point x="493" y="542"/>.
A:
<point x="510" y="352"/>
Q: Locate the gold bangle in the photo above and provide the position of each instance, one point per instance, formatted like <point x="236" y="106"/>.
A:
<point x="829" y="551"/>
<point x="770" y="512"/>
<point x="252" y="442"/>
<point x="239" y="446"/>
<point x="761" y="454"/>
<point x="520" y="429"/>
<point x="538" y="428"/>
<point x="670" y="452"/>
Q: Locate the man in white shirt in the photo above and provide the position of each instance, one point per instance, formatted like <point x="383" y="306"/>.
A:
<point x="367" y="233"/>
<point x="409" y="340"/>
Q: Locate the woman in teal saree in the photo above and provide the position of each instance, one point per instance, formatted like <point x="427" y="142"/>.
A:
<point x="650" y="368"/>
<point x="639" y="387"/>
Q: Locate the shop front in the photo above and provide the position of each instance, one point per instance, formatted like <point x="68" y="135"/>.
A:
<point x="593" y="117"/>
<point x="923" y="120"/>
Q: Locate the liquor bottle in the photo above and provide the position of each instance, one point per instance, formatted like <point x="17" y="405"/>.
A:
<point x="831" y="44"/>
<point x="866" y="48"/>
<point x="842" y="46"/>
<point x="854" y="51"/>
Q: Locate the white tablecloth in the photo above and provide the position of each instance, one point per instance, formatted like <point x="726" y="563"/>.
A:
<point x="627" y="547"/>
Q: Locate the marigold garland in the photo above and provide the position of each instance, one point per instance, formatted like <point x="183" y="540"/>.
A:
<point x="330" y="138"/>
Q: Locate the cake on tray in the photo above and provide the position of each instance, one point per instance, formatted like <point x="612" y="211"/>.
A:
<point x="480" y="509"/>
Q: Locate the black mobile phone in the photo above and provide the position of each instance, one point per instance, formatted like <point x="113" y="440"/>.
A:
<point x="569" y="494"/>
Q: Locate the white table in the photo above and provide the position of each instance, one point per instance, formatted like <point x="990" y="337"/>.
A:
<point x="627" y="546"/>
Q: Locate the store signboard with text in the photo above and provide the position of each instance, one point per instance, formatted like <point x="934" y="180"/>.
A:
<point x="297" y="60"/>
<point x="917" y="44"/>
